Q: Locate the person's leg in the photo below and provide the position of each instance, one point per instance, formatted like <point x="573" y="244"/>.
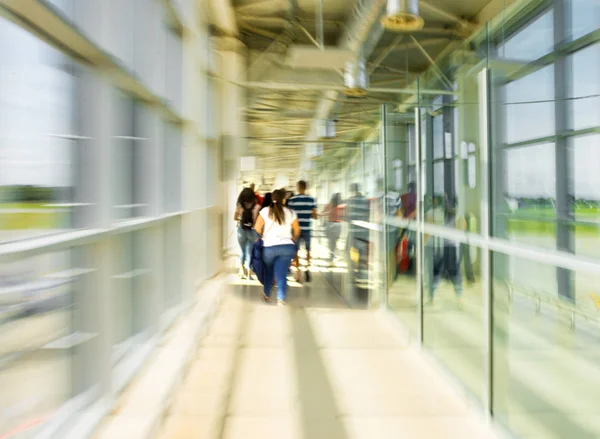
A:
<point x="297" y="259"/>
<point x="330" y="240"/>
<point x="335" y="238"/>
<point x="249" y="245"/>
<point x="307" y="241"/>
<point x="458" y="282"/>
<point x="431" y="279"/>
<point x="281" y="268"/>
<point x="242" y="242"/>
<point x="269" y="255"/>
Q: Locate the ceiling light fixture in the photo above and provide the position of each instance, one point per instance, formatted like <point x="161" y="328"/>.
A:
<point x="356" y="78"/>
<point x="402" y="15"/>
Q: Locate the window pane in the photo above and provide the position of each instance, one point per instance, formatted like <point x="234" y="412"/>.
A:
<point x="172" y="168"/>
<point x="36" y="315"/>
<point x="585" y="88"/>
<point x="539" y="353"/>
<point x="36" y="136"/>
<point x="585" y="17"/>
<point x="125" y="158"/>
<point x="530" y="191"/>
<point x="453" y="324"/>
<point x="531" y="43"/>
<point x="529" y="106"/>
<point x="586" y="163"/>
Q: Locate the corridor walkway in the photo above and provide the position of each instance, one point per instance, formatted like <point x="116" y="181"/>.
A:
<point x="312" y="370"/>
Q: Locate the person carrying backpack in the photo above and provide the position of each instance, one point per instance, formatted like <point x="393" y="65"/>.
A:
<point x="246" y="212"/>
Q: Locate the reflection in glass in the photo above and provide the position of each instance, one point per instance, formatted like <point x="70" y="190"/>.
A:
<point x="453" y="325"/>
<point x="545" y="373"/>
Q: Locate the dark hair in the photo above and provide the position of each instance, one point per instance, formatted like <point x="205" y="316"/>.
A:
<point x="246" y="197"/>
<point x="335" y="200"/>
<point x="276" y="209"/>
<point x="302" y="185"/>
<point x="268" y="200"/>
<point x="412" y="187"/>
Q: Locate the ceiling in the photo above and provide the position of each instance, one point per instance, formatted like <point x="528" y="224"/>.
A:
<point x="280" y="120"/>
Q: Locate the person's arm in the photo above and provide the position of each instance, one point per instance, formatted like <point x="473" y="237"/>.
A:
<point x="259" y="226"/>
<point x="295" y="229"/>
<point x="256" y="212"/>
<point x="237" y="215"/>
<point x="315" y="215"/>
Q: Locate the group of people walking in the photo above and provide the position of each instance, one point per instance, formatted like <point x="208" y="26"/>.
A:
<point x="284" y="223"/>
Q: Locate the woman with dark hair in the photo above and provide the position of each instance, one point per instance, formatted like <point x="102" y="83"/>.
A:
<point x="333" y="228"/>
<point x="246" y="212"/>
<point x="268" y="200"/>
<point x="279" y="228"/>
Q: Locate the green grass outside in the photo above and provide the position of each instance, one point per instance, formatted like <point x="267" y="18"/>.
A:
<point x="526" y="221"/>
<point x="44" y="217"/>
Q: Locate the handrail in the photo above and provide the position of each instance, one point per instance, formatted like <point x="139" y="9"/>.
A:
<point x="558" y="303"/>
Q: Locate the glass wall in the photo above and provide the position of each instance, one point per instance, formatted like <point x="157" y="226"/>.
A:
<point x="102" y="226"/>
<point x="492" y="260"/>
<point x="350" y="189"/>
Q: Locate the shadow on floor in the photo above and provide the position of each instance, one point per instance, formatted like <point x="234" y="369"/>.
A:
<point x="318" y="409"/>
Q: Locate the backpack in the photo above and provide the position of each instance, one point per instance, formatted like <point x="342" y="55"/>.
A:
<point x="247" y="221"/>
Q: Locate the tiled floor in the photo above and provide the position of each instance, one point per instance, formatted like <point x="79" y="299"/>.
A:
<point x="311" y="372"/>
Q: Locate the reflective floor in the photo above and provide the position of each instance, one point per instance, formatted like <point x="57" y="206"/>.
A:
<point x="313" y="369"/>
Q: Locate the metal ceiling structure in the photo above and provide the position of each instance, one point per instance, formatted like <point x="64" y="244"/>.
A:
<point x="285" y="105"/>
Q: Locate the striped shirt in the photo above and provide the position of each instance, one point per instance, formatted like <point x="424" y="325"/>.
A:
<point x="303" y="205"/>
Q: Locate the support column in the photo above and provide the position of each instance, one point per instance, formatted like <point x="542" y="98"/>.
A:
<point x="468" y="126"/>
<point x="563" y="157"/>
<point x="233" y="69"/>
<point x="94" y="193"/>
<point x="468" y="132"/>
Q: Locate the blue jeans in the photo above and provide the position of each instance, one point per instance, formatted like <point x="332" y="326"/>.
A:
<point x="246" y="239"/>
<point x="433" y="278"/>
<point x="277" y="265"/>
<point x="305" y="236"/>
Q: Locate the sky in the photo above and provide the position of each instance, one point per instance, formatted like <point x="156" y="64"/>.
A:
<point x="36" y="103"/>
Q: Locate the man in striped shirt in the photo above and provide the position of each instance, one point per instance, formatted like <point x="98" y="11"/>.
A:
<point x="306" y="210"/>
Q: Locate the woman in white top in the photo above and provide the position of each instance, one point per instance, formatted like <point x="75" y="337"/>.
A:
<point x="279" y="228"/>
